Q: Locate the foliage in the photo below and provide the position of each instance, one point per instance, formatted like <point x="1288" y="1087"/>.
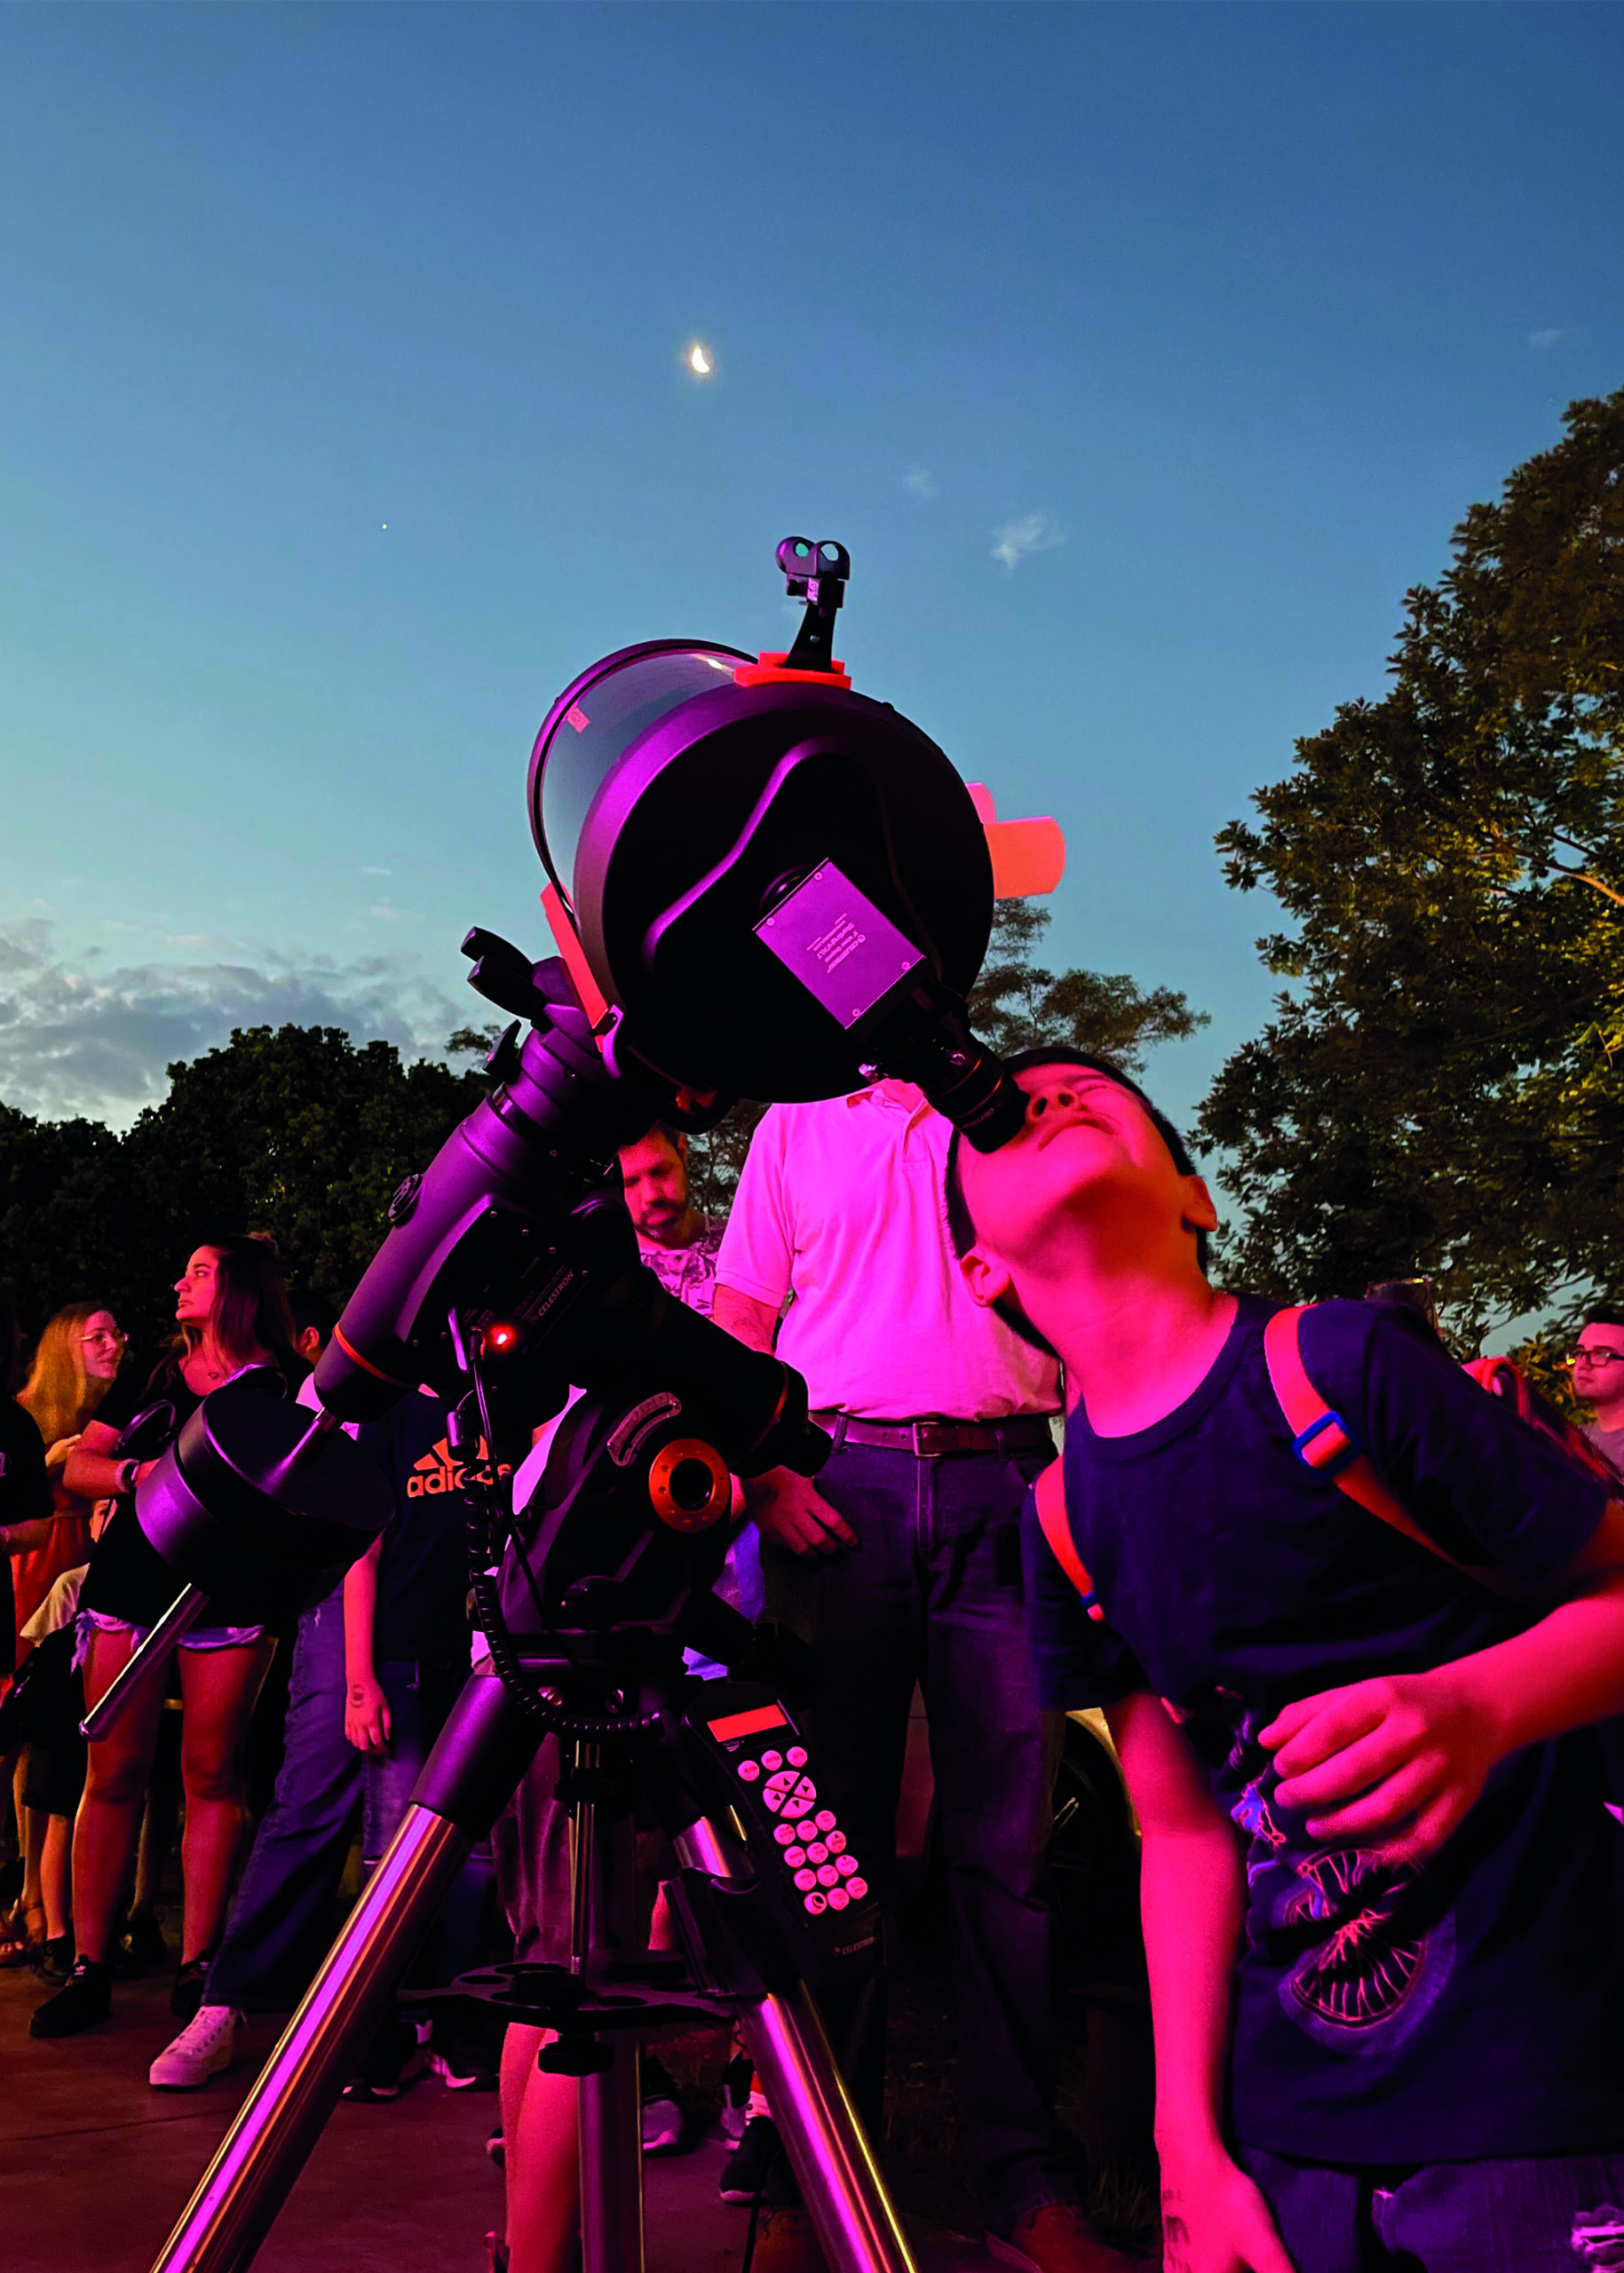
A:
<point x="1016" y="1004"/>
<point x="715" y="1161"/>
<point x="295" y="1131"/>
<point x="1439" y="1090"/>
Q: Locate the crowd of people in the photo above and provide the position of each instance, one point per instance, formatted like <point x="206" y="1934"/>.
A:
<point x="1354" y="1625"/>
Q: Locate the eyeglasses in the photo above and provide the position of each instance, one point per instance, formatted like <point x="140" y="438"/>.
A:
<point x="1582" y="1356"/>
<point x="102" y="1334"/>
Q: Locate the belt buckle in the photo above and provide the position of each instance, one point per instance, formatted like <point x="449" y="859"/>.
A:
<point x="917" y="1427"/>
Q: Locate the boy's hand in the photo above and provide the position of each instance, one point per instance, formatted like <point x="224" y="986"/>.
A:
<point x="366" y="1717"/>
<point x="1215" y="2220"/>
<point x="1409" y="1754"/>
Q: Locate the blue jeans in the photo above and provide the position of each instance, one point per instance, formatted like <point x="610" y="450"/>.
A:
<point x="933" y="1596"/>
<point x="281" y="1922"/>
<point x="1542" y="2214"/>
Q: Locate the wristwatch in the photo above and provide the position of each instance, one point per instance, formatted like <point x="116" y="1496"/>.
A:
<point x="127" y="1470"/>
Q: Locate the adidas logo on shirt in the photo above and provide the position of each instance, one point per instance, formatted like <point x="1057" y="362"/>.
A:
<point x="439" y="1470"/>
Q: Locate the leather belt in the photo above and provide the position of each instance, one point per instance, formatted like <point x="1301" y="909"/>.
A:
<point x="1023" y="1432"/>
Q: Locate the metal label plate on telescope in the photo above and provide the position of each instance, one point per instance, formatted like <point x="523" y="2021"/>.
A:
<point x="835" y="941"/>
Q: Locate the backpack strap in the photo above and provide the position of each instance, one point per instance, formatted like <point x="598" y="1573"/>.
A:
<point x="1323" y="1441"/>
<point x="1049" y="1493"/>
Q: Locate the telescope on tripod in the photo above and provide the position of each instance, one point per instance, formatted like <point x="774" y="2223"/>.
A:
<point x="763" y="885"/>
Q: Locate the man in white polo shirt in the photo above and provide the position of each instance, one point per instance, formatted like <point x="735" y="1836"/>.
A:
<point x="902" y="1563"/>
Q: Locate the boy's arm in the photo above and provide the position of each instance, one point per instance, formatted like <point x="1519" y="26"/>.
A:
<point x="366" y="1708"/>
<point x="1192" y="1901"/>
<point x="1409" y="1754"/>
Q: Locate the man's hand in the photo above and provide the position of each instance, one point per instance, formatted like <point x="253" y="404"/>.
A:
<point x="366" y="1717"/>
<point x="788" y="1511"/>
<point x="1407" y="1756"/>
<point x="62" y="1452"/>
<point x="1215" y="2220"/>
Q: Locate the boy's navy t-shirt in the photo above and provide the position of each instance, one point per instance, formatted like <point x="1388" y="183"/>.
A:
<point x="1473" y="2007"/>
<point x="422" y="1570"/>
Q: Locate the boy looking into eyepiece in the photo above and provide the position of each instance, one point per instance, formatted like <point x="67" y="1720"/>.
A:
<point x="1381" y="1892"/>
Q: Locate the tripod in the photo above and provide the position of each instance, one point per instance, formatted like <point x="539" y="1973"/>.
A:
<point x="739" y="1964"/>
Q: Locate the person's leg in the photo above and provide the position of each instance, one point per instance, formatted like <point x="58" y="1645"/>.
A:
<point x="218" y="1687"/>
<point x="1541" y="2214"/>
<point x="542" y="2158"/>
<point x="115" y="1793"/>
<point x="31" y="1838"/>
<point x="279" y="1922"/>
<point x="160" y="1821"/>
<point x="994" y="1755"/>
<point x="861" y="1610"/>
<point x="55" y="1875"/>
<point x="104" y="1838"/>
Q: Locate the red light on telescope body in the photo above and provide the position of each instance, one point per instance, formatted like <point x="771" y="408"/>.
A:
<point x="500" y="1339"/>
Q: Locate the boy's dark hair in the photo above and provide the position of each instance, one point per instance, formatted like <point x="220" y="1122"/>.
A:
<point x="1605" y="1314"/>
<point x="1413" y="1296"/>
<point x="963" y="1230"/>
<point x="307" y="1307"/>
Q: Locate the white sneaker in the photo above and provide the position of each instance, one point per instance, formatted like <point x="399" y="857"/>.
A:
<point x="206" y="2046"/>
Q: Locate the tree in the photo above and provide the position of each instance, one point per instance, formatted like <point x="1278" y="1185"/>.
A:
<point x="294" y="1132"/>
<point x="1014" y="1004"/>
<point x="299" y="1132"/>
<point x="1439" y="1089"/>
<point x="69" y="1227"/>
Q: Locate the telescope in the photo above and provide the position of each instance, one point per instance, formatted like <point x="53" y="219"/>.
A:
<point x="762" y="883"/>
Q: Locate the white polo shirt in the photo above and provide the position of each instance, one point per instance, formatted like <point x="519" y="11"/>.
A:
<point x="844" y="1203"/>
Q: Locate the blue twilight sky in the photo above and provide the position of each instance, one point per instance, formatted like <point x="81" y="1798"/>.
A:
<point x="1142" y="355"/>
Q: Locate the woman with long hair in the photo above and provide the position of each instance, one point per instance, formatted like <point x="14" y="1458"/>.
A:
<point x="231" y="1315"/>
<point x="74" y="1364"/>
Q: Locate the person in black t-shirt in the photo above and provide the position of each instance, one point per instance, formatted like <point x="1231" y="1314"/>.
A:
<point x="375" y="1670"/>
<point x="1392" y="2005"/>
<point x="233" y="1316"/>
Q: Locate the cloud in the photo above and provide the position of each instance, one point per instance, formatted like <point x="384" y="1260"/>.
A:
<point x="921" y="483"/>
<point x="77" y="1038"/>
<point x="1027" y="532"/>
<point x="377" y="872"/>
<point x="1554" y="338"/>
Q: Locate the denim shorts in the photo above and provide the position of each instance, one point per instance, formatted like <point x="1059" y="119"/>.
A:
<point x="199" y="1637"/>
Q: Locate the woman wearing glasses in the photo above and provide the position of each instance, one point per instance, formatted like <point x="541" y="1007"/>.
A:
<point x="232" y="1314"/>
<point x="79" y="1353"/>
<point x="1598" y="1381"/>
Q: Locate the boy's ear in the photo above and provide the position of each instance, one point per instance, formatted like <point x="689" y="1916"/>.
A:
<point x="1199" y="1213"/>
<point x="985" y="1276"/>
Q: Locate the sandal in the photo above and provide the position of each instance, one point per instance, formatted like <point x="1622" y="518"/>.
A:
<point x="18" y="1946"/>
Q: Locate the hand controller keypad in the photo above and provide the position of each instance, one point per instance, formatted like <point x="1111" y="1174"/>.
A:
<point x="811" y="1843"/>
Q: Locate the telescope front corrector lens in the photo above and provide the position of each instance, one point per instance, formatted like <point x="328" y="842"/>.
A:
<point x="674" y="809"/>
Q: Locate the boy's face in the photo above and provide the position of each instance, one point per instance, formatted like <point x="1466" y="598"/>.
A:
<point x="1089" y="1149"/>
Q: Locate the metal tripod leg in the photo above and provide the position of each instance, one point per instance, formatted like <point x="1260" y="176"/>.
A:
<point x="829" y="2150"/>
<point x="482" y="1752"/>
<point x="603" y="1885"/>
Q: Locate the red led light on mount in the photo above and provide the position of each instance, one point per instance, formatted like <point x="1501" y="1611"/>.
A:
<point x="500" y="1339"/>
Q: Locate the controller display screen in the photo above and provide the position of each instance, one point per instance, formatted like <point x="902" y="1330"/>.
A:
<point x="749" y="1724"/>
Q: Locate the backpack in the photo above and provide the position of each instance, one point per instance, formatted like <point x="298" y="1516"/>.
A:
<point x="1322" y="1440"/>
